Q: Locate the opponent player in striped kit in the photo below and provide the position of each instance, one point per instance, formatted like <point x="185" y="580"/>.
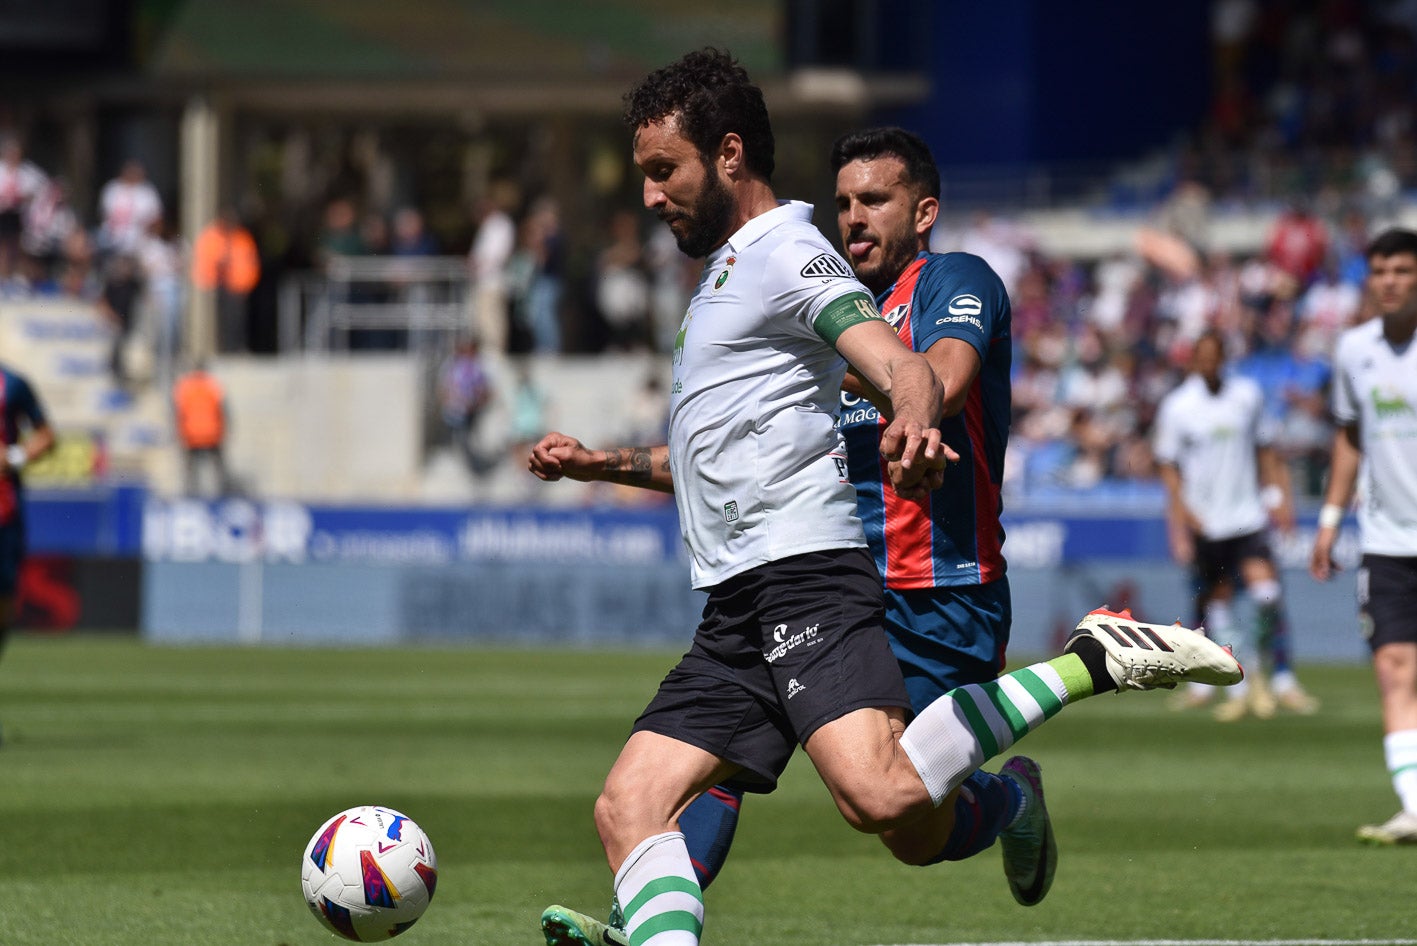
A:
<point x="1375" y="406"/>
<point x="25" y="435"/>
<point x="790" y="650"/>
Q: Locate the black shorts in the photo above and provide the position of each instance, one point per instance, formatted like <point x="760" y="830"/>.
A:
<point x="12" y="556"/>
<point x="1218" y="560"/>
<point x="1387" y="600"/>
<point x="782" y="649"/>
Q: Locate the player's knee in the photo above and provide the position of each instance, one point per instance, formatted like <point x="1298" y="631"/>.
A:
<point x="1265" y="592"/>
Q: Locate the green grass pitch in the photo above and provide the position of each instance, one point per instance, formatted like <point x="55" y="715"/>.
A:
<point x="156" y="796"/>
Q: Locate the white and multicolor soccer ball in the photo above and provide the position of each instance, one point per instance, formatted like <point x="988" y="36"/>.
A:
<point x="369" y="873"/>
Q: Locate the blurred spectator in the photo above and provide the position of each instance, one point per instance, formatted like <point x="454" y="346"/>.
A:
<point x="339" y="236"/>
<point x="492" y="249"/>
<point x="622" y="286"/>
<point x="225" y="261"/>
<point x="78" y="272"/>
<point x="21" y="182"/>
<point x="1297" y="246"/>
<point x="199" y="402"/>
<point x="411" y="236"/>
<point x="160" y="259"/>
<point x="374" y="235"/>
<point x="49" y="221"/>
<point x="548" y="245"/>
<point x="464" y="392"/>
<point x="118" y="301"/>
<point x="128" y="205"/>
<point x="519" y="273"/>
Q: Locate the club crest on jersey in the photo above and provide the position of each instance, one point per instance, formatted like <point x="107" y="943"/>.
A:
<point x="897" y="315"/>
<point x="826" y="266"/>
<point x="723" y="276"/>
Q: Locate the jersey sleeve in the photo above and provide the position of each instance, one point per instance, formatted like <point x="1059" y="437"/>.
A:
<point x="959" y="296"/>
<point x="1166" y="439"/>
<point x="815" y="290"/>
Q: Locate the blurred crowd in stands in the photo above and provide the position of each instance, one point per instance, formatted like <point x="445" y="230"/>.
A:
<point x="1312" y="111"/>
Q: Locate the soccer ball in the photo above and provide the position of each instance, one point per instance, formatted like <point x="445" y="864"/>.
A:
<point x="369" y="873"/>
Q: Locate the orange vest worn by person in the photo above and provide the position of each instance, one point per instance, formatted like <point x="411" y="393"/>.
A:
<point x="201" y="423"/>
<point x="226" y="259"/>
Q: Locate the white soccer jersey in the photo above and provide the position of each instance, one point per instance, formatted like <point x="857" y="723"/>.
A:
<point x="1376" y="387"/>
<point x="759" y="468"/>
<point x="1212" y="439"/>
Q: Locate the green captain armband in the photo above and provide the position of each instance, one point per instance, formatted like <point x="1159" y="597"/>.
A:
<point x="841" y="314"/>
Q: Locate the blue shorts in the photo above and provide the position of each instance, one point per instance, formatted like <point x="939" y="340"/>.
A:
<point x="12" y="554"/>
<point x="947" y="637"/>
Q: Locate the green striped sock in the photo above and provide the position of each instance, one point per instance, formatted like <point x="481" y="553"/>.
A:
<point x="954" y="735"/>
<point x="659" y="894"/>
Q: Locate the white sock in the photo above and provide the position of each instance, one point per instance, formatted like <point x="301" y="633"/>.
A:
<point x="1400" y="749"/>
<point x="1283" y="682"/>
<point x="659" y="894"/>
<point x="955" y="734"/>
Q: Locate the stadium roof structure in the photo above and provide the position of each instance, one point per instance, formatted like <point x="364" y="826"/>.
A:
<point x="490" y="56"/>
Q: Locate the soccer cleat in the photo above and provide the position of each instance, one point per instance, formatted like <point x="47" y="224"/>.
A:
<point x="1401" y="828"/>
<point x="563" y="926"/>
<point x="1030" y="856"/>
<point x="1232" y="710"/>
<point x="1261" y="699"/>
<point x="1150" y="656"/>
<point x="1297" y="700"/>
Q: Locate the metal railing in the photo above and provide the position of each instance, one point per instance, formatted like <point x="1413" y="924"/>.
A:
<point x="410" y="301"/>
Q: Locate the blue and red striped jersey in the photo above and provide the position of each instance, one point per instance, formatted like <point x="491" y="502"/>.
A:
<point x="953" y="537"/>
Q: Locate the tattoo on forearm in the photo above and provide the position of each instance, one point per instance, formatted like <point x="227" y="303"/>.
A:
<point x="630" y="464"/>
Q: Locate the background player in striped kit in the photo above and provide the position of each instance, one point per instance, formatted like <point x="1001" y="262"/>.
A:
<point x="1375" y="406"/>
<point x="25" y="435"/>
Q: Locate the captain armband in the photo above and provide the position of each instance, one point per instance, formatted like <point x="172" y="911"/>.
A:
<point x="840" y="314"/>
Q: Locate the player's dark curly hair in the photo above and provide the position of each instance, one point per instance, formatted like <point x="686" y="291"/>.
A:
<point x="1393" y="241"/>
<point x="712" y="96"/>
<point x="914" y="153"/>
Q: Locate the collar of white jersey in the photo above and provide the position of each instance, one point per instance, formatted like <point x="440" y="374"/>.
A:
<point x="752" y="231"/>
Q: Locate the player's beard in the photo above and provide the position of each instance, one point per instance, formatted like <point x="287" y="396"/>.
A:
<point x="894" y="251"/>
<point x="706" y="225"/>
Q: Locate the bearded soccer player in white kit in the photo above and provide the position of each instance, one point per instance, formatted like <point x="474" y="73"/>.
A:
<point x="1375" y="407"/>
<point x="1225" y="482"/>
<point x="790" y="649"/>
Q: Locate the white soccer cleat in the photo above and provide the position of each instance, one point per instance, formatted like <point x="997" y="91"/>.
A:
<point x="1150" y="656"/>
<point x="1401" y="828"/>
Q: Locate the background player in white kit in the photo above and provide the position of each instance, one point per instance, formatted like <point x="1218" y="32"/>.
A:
<point x="1375" y="407"/>
<point x="1225" y="484"/>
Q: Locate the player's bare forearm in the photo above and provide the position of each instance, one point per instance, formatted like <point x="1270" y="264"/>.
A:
<point x="915" y="391"/>
<point x="557" y="455"/>
<point x="859" y="386"/>
<point x="1344" y="463"/>
<point x="646" y="467"/>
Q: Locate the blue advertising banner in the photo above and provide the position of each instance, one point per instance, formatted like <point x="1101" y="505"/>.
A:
<point x="239" y="530"/>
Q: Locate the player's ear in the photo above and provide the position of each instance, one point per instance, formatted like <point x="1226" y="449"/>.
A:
<point x="730" y="154"/>
<point x="926" y="210"/>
